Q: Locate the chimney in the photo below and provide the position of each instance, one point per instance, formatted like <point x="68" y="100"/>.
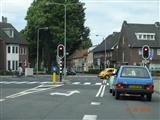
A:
<point x="157" y="24"/>
<point x="4" y="19"/>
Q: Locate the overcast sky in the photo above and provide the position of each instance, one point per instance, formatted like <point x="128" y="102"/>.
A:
<point x="103" y="17"/>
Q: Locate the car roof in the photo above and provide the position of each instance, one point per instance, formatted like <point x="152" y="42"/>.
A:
<point x="133" y="66"/>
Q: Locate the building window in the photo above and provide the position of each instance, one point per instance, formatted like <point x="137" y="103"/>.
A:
<point x="9" y="32"/>
<point x="9" y="49"/>
<point x="13" y="65"/>
<point x="9" y="65"/>
<point x="16" y="49"/>
<point x="24" y="51"/>
<point x="13" y="50"/>
<point x="145" y="36"/>
<point x="140" y="51"/>
<point x="16" y="65"/>
<point x="158" y="51"/>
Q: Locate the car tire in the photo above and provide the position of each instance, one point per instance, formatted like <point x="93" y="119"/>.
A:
<point x="110" y="90"/>
<point x="113" y="93"/>
<point x="149" y="97"/>
<point x="117" y="94"/>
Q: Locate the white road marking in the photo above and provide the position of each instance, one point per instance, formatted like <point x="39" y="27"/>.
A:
<point x="32" y="90"/>
<point x="89" y="117"/>
<point x="107" y="84"/>
<point x="99" y="91"/>
<point x="45" y="82"/>
<point x="32" y="82"/>
<point x="17" y="82"/>
<point x="98" y="84"/>
<point x="95" y="103"/>
<point x="102" y="93"/>
<point x="69" y="93"/>
<point x="87" y="83"/>
<point x="76" y="83"/>
<point x="1" y="100"/>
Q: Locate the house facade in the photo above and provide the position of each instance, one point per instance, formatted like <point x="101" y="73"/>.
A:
<point x="125" y="47"/>
<point x="13" y="48"/>
<point x="109" y="44"/>
<point x="78" y="60"/>
<point x="133" y="37"/>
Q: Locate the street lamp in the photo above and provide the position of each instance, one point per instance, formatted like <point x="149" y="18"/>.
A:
<point x="44" y="28"/>
<point x="65" y="9"/>
<point x="104" y="50"/>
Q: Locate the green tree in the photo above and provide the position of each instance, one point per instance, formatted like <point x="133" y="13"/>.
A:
<point x="40" y="14"/>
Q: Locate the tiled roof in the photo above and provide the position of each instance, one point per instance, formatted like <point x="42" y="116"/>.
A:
<point x="79" y="54"/>
<point x="111" y="41"/>
<point x="131" y="29"/>
<point x="17" y="39"/>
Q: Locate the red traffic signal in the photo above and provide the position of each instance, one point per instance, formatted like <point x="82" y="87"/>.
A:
<point x="145" y="52"/>
<point x="60" y="51"/>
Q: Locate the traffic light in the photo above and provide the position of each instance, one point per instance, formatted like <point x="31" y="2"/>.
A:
<point x="145" y="52"/>
<point x="60" y="51"/>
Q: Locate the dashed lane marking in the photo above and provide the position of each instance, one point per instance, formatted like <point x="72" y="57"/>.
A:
<point x="76" y="83"/>
<point x="98" y="84"/>
<point x="1" y="100"/>
<point x="89" y="117"/>
<point x="95" y="103"/>
<point x="87" y="83"/>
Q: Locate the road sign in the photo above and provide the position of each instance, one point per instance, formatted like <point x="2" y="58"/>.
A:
<point x="54" y="68"/>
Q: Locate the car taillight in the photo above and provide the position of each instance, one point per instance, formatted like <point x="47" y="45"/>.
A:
<point x="149" y="87"/>
<point x="120" y="85"/>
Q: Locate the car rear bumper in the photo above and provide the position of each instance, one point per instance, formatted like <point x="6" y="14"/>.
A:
<point x="134" y="91"/>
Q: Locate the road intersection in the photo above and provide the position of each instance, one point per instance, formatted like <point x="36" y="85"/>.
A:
<point x="84" y="98"/>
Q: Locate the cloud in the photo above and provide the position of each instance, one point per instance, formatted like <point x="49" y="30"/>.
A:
<point x="103" y="17"/>
<point x="15" y="11"/>
<point x="106" y="17"/>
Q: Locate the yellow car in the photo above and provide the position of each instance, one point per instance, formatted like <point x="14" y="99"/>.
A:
<point x="106" y="73"/>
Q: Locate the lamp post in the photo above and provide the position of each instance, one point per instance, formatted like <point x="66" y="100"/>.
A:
<point x="104" y="50"/>
<point x="45" y="28"/>
<point x="65" y="13"/>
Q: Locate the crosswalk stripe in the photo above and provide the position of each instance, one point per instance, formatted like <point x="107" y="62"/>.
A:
<point x="87" y="83"/>
<point x="76" y="83"/>
<point x="89" y="117"/>
<point x="98" y="84"/>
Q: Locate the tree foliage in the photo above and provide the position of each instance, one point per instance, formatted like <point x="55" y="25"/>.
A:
<point x="41" y="14"/>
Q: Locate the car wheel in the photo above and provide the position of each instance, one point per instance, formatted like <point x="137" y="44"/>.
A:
<point x="110" y="90"/>
<point x="117" y="95"/>
<point x="113" y="93"/>
<point x="149" y="97"/>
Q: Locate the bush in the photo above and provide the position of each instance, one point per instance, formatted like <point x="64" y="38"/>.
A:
<point x="155" y="73"/>
<point x="93" y="71"/>
<point x="3" y="72"/>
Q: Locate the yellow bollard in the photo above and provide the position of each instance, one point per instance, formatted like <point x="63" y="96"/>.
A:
<point x="54" y="77"/>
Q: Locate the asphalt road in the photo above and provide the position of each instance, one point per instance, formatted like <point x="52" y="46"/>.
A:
<point x="82" y="98"/>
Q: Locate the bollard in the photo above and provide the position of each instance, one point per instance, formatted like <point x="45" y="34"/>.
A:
<point x="54" y="77"/>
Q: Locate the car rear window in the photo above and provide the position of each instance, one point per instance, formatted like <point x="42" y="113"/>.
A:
<point x="134" y="72"/>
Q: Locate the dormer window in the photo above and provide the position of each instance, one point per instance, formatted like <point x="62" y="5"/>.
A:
<point x="9" y="32"/>
<point x="145" y="36"/>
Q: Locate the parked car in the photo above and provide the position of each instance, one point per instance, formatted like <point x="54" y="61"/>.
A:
<point x="135" y="80"/>
<point x="106" y="73"/>
<point x="111" y="80"/>
<point x="71" y="71"/>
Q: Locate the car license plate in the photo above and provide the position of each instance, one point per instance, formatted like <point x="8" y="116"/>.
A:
<point x="135" y="86"/>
